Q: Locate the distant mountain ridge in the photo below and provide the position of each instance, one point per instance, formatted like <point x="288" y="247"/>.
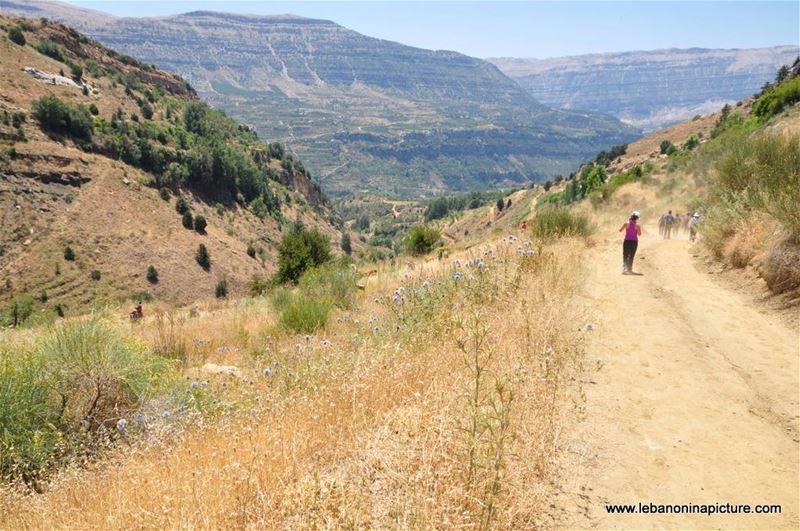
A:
<point x="364" y="113"/>
<point x="649" y="89"/>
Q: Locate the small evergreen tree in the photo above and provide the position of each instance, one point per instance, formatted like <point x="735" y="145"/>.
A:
<point x="69" y="254"/>
<point x="347" y="246"/>
<point x="221" y="291"/>
<point x="200" y="224"/>
<point x="94" y="110"/>
<point x="500" y="204"/>
<point x="95" y="275"/>
<point x="203" y="257"/>
<point x="188" y="220"/>
<point x="181" y="206"/>
<point x="152" y="274"/>
<point x="251" y="250"/>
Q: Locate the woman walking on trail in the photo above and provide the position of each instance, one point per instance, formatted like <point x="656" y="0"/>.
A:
<point x="632" y="233"/>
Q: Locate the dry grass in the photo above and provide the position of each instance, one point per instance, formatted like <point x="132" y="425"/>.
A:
<point x="441" y="412"/>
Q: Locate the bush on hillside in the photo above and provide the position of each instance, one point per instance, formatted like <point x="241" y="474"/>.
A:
<point x="77" y="73"/>
<point x="333" y="283"/>
<point x="421" y="239"/>
<point x="95" y="275"/>
<point x="221" y="290"/>
<point x="181" y="206"/>
<point x="251" y="250"/>
<point x="56" y="116"/>
<point x="69" y="254"/>
<point x="203" y="257"/>
<point x="72" y="386"/>
<point x="200" y="224"/>
<point x="302" y="314"/>
<point x="777" y="98"/>
<point x="51" y="50"/>
<point x="346" y="244"/>
<point x="152" y="274"/>
<point x="300" y="250"/>
<point x="666" y="147"/>
<point x="16" y="36"/>
<point x="18" y="310"/>
<point x="187" y="220"/>
<point x="553" y="222"/>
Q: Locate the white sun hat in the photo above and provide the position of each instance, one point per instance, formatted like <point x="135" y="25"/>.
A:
<point x="635" y="214"/>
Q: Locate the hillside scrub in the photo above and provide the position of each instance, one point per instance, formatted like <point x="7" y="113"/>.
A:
<point x="756" y="183"/>
<point x="61" y="394"/>
<point x="421" y="239"/>
<point x="440" y="402"/>
<point x="553" y="222"/>
<point x="299" y="251"/>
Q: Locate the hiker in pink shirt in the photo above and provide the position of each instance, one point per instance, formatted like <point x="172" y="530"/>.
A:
<point x="632" y="233"/>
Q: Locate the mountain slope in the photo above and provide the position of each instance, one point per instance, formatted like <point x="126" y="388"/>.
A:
<point x="649" y="89"/>
<point x="93" y="185"/>
<point x="365" y="113"/>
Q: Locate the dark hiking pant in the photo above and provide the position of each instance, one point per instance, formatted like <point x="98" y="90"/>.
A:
<point x="628" y="252"/>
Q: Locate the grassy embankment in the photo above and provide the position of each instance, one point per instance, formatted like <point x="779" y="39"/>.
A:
<point x="435" y="398"/>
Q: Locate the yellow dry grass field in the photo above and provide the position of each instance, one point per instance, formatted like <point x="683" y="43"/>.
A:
<point x="439" y="402"/>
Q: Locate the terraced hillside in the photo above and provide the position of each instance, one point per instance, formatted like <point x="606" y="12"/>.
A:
<point x="96" y="159"/>
<point x="649" y="89"/>
<point x="366" y="114"/>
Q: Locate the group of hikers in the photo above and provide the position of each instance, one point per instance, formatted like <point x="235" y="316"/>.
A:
<point x="666" y="224"/>
<point x="685" y="223"/>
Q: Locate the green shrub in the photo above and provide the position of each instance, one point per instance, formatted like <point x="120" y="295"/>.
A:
<point x="51" y="50"/>
<point x="203" y="257"/>
<point x="69" y="254"/>
<point x="95" y="275"/>
<point x="760" y="172"/>
<point x="152" y="274"/>
<point x="200" y="224"/>
<point x="188" y="220"/>
<point x="55" y="115"/>
<point x="333" y="283"/>
<point x="163" y="193"/>
<point x="16" y="36"/>
<point x="300" y="250"/>
<point x="221" y="291"/>
<point x="61" y="393"/>
<point x="303" y="314"/>
<point x="777" y="98"/>
<point x="251" y="250"/>
<point x="347" y="245"/>
<point x="259" y="285"/>
<point x="559" y="221"/>
<point x="19" y="310"/>
<point x="43" y="297"/>
<point x="181" y="206"/>
<point x="77" y="72"/>
<point x="93" y="109"/>
<point x="421" y="239"/>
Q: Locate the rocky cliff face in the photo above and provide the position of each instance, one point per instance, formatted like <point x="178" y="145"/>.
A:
<point x="366" y="114"/>
<point x="649" y="89"/>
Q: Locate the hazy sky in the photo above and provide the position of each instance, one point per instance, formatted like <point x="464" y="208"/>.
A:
<point x="527" y="29"/>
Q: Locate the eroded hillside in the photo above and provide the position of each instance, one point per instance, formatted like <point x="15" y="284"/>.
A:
<point x="98" y="151"/>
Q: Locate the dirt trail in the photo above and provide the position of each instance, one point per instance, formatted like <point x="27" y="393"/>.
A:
<point x="695" y="399"/>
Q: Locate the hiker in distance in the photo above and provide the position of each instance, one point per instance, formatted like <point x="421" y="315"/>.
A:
<point x="631" y="242"/>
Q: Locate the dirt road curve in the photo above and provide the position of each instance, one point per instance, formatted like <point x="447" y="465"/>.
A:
<point x="695" y="401"/>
